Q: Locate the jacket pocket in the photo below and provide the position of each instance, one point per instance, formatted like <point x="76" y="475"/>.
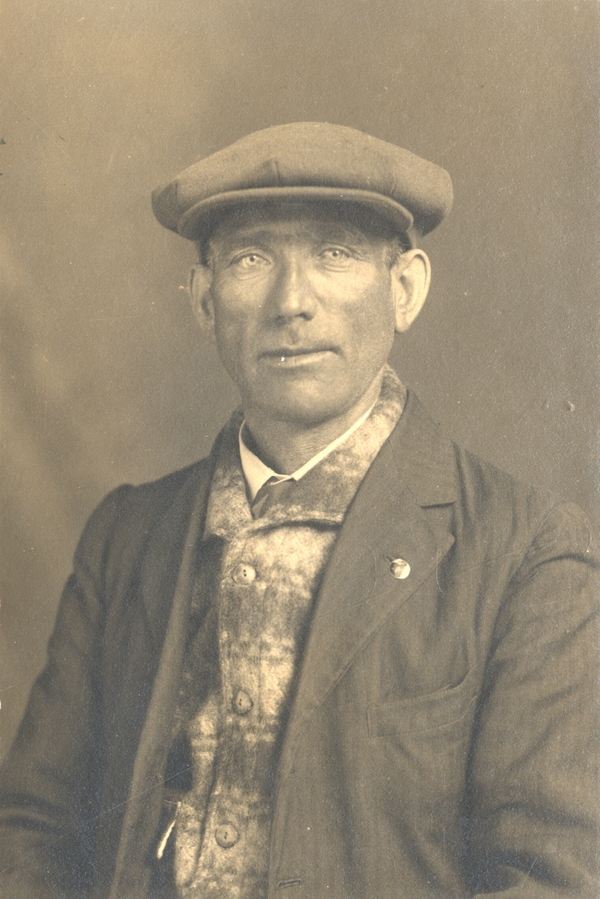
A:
<point x="422" y="713"/>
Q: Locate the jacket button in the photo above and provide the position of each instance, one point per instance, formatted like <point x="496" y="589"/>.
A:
<point x="242" y="702"/>
<point x="400" y="569"/>
<point x="226" y="836"/>
<point x="244" y="574"/>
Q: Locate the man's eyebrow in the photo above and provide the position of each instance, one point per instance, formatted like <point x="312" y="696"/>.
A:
<point x="241" y="238"/>
<point x="327" y="233"/>
<point x="343" y="235"/>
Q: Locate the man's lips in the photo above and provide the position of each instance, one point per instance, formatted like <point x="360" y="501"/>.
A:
<point x="297" y="359"/>
<point x="280" y="354"/>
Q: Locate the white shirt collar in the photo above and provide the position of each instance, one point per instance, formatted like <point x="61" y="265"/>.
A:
<point x="257" y="473"/>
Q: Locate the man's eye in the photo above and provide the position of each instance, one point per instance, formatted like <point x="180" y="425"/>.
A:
<point x="335" y="254"/>
<point x="248" y="260"/>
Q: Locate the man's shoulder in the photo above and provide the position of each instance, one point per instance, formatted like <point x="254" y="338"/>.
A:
<point x="494" y="501"/>
<point x="152" y="498"/>
<point x="129" y="518"/>
<point x="487" y="498"/>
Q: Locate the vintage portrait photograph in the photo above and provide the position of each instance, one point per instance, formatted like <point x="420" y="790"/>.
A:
<point x="300" y="491"/>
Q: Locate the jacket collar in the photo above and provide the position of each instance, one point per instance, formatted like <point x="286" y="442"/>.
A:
<point x="168" y="543"/>
<point x="416" y="458"/>
<point x="424" y="457"/>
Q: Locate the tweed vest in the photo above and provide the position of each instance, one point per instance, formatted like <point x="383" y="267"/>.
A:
<point x="243" y="656"/>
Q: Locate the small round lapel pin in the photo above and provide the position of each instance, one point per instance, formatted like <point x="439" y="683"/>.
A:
<point x="399" y="568"/>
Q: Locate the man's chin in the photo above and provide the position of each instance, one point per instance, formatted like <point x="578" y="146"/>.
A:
<point x="302" y="408"/>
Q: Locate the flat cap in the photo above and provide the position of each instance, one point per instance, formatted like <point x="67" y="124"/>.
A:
<point x="307" y="160"/>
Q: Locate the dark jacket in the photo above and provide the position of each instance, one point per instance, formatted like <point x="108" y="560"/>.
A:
<point x="442" y="740"/>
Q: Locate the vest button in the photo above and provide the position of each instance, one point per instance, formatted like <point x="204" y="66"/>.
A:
<point x="400" y="569"/>
<point x="242" y="702"/>
<point x="244" y="574"/>
<point x="226" y="836"/>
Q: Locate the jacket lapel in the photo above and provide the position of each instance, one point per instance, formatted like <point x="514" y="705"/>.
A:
<point x="165" y="549"/>
<point x="388" y="520"/>
<point x="166" y="600"/>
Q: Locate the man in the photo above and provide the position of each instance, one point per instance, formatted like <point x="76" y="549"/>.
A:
<point x="341" y="656"/>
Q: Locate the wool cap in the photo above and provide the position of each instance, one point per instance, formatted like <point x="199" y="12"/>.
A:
<point x="307" y="161"/>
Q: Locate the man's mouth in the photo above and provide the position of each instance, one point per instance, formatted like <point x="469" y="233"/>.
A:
<point x="298" y="355"/>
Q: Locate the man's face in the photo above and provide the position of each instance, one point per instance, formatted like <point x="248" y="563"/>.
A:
<point x="303" y="310"/>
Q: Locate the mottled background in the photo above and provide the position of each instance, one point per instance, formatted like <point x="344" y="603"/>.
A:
<point x="105" y="378"/>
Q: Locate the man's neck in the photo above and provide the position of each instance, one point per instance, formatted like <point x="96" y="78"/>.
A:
<point x="285" y="446"/>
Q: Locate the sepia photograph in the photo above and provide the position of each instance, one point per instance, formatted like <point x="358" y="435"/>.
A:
<point x="300" y="492"/>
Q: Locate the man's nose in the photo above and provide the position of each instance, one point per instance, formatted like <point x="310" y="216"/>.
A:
<point x="293" y="295"/>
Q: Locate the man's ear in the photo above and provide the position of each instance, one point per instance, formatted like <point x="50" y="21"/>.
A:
<point x="411" y="276"/>
<point x="201" y="298"/>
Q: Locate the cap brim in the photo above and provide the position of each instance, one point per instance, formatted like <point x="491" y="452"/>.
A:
<point x="196" y="223"/>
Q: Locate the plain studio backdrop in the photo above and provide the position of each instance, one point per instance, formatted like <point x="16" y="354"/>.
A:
<point x="106" y="378"/>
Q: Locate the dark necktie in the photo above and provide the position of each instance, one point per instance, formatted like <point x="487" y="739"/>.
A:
<point x="272" y="491"/>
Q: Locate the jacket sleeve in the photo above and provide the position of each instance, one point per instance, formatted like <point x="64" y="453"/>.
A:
<point x="51" y="779"/>
<point x="531" y="817"/>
